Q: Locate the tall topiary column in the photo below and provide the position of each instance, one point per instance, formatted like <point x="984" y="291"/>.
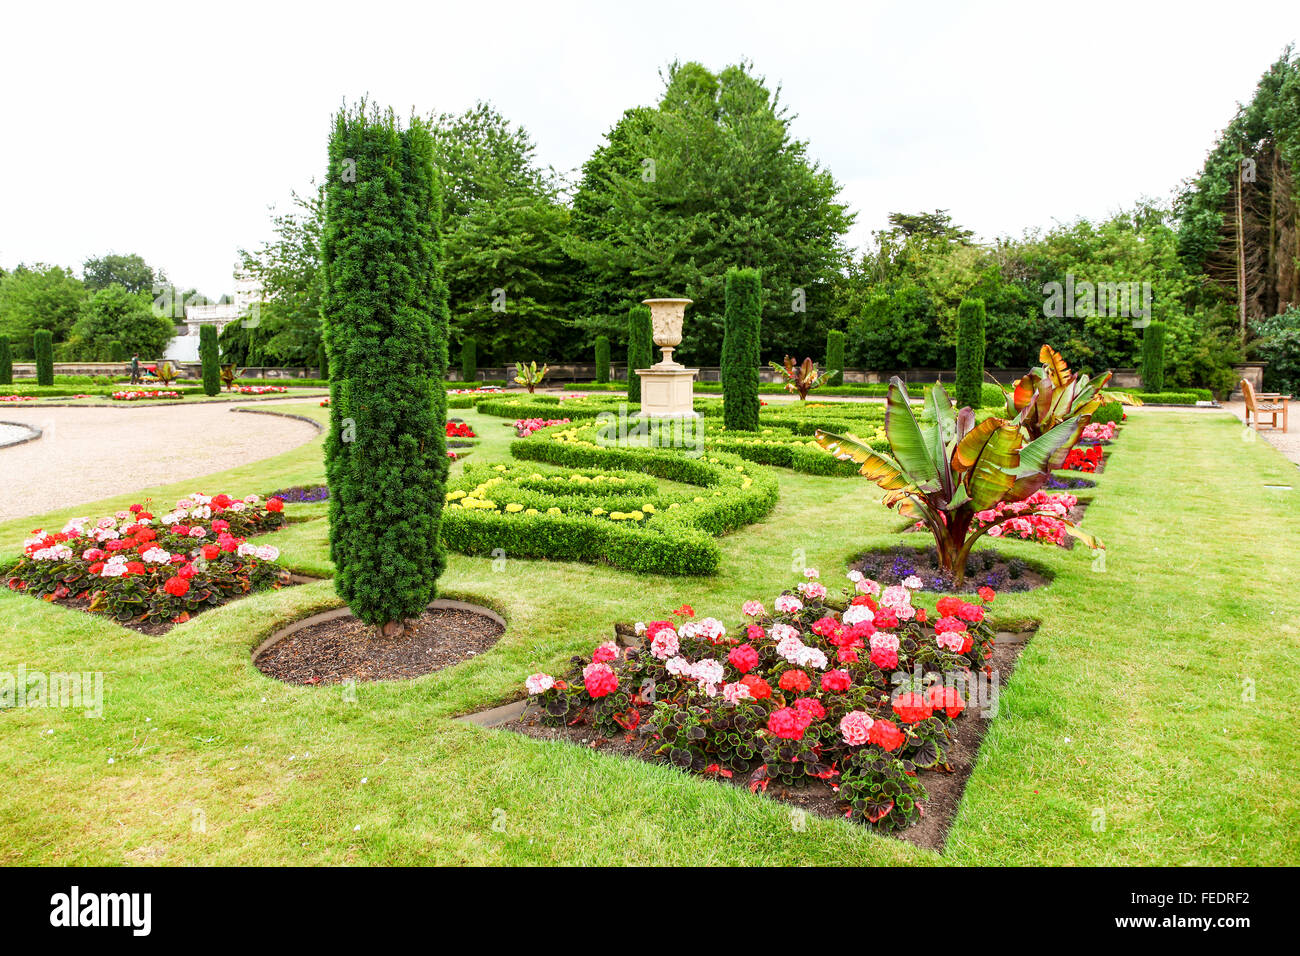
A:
<point x="834" y="357"/>
<point x="602" y="358"/>
<point x="385" y="326"/>
<point x="43" y="346"/>
<point x="6" y="361"/>
<point x="1153" y="357"/>
<point x="640" y="348"/>
<point x="469" y="359"/>
<point x="740" y="350"/>
<point x="210" y="357"/>
<point x="970" y="352"/>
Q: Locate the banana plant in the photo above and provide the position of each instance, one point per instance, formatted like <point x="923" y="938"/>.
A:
<point x="530" y="376"/>
<point x="228" y="376"/>
<point x="800" y="379"/>
<point x="165" y="373"/>
<point x="944" y="473"/>
<point x="1052" y="394"/>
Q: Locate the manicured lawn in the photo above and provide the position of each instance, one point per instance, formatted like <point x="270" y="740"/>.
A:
<point x="1128" y="702"/>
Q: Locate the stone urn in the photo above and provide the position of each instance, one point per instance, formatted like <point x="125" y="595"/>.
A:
<point x="666" y="316"/>
<point x="667" y="387"/>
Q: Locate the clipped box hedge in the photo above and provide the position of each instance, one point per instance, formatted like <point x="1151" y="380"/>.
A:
<point x="527" y="514"/>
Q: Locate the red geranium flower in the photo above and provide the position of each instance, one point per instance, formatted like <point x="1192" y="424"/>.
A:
<point x="759" y="689"/>
<point x="911" y="707"/>
<point x="885" y="734"/>
<point x="743" y="658"/>
<point x="795" y="680"/>
<point x="986" y="595"/>
<point x="886" y="619"/>
<point x="599" y="680"/>
<point x="836" y="681"/>
<point x="885" y="658"/>
<point x="810" y="707"/>
<point x="177" y="586"/>
<point x="788" y="723"/>
<point x="947" y="699"/>
<point x="211" y="552"/>
<point x="274" y="504"/>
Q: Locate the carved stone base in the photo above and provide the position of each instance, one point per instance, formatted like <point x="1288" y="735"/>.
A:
<point x="667" y="392"/>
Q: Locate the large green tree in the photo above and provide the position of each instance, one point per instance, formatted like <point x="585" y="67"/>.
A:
<point x="35" y="297"/>
<point x="385" y="311"/>
<point x="1239" y="219"/>
<point x="115" y="315"/>
<point x="286" y="329"/>
<point x="510" y="283"/>
<point x="131" y="272"/>
<point x="710" y="178"/>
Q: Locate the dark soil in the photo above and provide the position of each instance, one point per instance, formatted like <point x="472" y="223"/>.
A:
<point x="986" y="568"/>
<point x="345" y="649"/>
<point x="944" y="788"/>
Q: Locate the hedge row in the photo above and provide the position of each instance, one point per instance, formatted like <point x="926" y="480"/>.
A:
<point x="782" y="449"/>
<point x="676" y="537"/>
<point x="1188" y="397"/>
<point x="548" y="406"/>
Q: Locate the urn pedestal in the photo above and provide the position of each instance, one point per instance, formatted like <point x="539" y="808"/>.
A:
<point x="667" y="387"/>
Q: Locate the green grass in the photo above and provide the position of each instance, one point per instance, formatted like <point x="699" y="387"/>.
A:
<point x="1128" y="701"/>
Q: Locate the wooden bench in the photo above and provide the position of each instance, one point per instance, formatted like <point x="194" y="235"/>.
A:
<point x="1264" y="403"/>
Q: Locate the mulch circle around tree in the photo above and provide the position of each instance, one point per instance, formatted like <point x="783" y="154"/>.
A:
<point x="944" y="788"/>
<point x="987" y="567"/>
<point x="344" y="649"/>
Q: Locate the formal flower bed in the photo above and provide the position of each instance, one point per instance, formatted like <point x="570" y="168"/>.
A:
<point x="1087" y="460"/>
<point x="460" y="430"/>
<point x="260" y="389"/>
<point x="1067" y="483"/>
<point x="1099" y="432"/>
<point x="147" y="571"/>
<point x="144" y="395"/>
<point x="17" y="398"/>
<point x="1045" y="526"/>
<point x="857" y="692"/>
<point x="986" y="568"/>
<point x="302" y="494"/>
<point x="526" y="426"/>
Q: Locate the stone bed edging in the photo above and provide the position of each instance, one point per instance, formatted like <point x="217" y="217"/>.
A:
<point x="33" y="433"/>
<point x="266" y="411"/>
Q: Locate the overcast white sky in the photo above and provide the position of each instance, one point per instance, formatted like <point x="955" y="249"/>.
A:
<point x="169" y="129"/>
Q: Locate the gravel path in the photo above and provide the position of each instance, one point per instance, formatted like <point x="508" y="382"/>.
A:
<point x="90" y="453"/>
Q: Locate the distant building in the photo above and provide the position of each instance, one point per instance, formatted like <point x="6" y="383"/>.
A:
<point x="185" y="346"/>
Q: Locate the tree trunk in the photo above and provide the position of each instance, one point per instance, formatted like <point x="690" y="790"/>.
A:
<point x="1241" y="259"/>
